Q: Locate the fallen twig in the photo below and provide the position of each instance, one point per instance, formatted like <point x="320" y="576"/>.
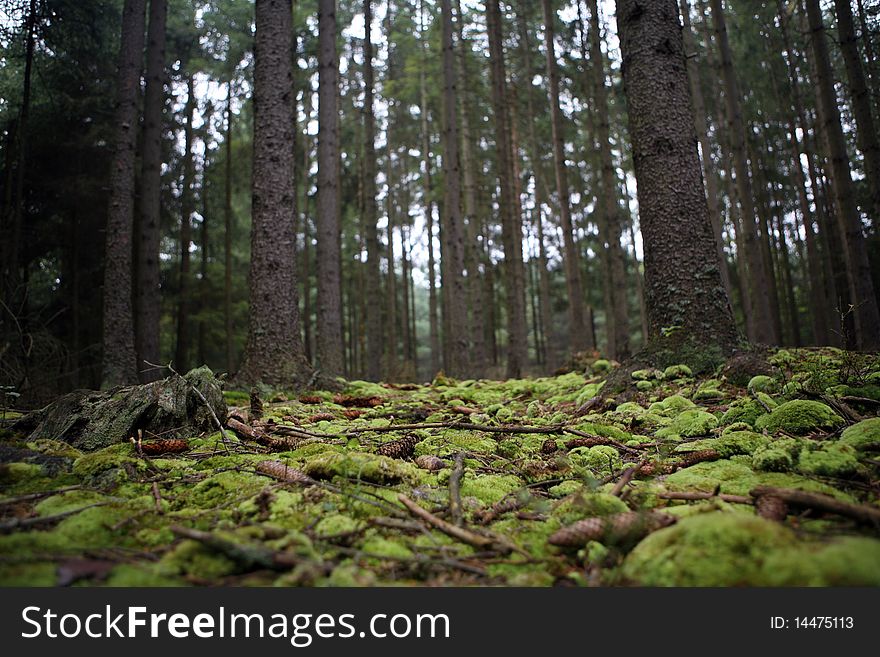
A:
<point x="455" y="489"/>
<point x="625" y="478"/>
<point x="696" y="495"/>
<point x="158" y="498"/>
<point x="860" y="512"/>
<point x="458" y="533"/>
<point x="36" y="496"/>
<point x="247" y="556"/>
<point x="29" y="523"/>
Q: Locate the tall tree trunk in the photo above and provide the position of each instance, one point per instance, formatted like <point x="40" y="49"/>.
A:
<point x="858" y="269"/>
<point x="866" y="132"/>
<point x="712" y="194"/>
<point x="391" y="346"/>
<point x="227" y="233"/>
<point x="682" y="277"/>
<point x="618" y="314"/>
<point x="514" y="274"/>
<point x="456" y="341"/>
<point x="471" y="218"/>
<point x="119" y="360"/>
<point x="274" y="351"/>
<point x="328" y="347"/>
<point x="578" y="335"/>
<point x="870" y="59"/>
<point x="181" y="357"/>
<point x="761" y="309"/>
<point x="204" y="287"/>
<point x="148" y="303"/>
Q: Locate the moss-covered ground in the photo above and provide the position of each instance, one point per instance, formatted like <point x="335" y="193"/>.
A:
<point x="507" y="464"/>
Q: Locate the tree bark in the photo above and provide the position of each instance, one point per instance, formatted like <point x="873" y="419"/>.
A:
<point x="119" y="360"/>
<point x="577" y="332"/>
<point x="759" y="281"/>
<point x="686" y="301"/>
<point x="227" y="233"/>
<point x="858" y="269"/>
<point x="274" y="351"/>
<point x="181" y="357"/>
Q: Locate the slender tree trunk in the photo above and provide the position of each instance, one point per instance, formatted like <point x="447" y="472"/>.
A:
<point x="858" y="269"/>
<point x="618" y="328"/>
<point x="274" y="351"/>
<point x="761" y="309"/>
<point x="866" y="130"/>
<point x="329" y="357"/>
<point x="119" y="360"/>
<point x="204" y="287"/>
<point x="181" y="357"/>
<point x="578" y="335"/>
<point x="682" y="277"/>
<point x="870" y="59"/>
<point x="227" y="235"/>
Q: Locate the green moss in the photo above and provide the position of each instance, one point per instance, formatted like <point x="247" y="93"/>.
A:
<point x="360" y="465"/>
<point x="830" y="460"/>
<point x="762" y="383"/>
<point x="863" y="435"/>
<point x="386" y="547"/>
<point x="54" y="448"/>
<point x="644" y="385"/>
<point x="92" y="528"/>
<point x="68" y="501"/>
<point x="602" y="459"/>
<point x="587" y="504"/>
<point x="729" y="444"/>
<point x="28" y="574"/>
<point x="604" y="430"/>
<point x="350" y="575"/>
<point x="733" y="478"/>
<point x="798" y="417"/>
<point x="848" y="561"/>
<point x="645" y="375"/>
<point x="677" y="372"/>
<point x="12" y="474"/>
<point x="671" y="406"/>
<point x="736" y="426"/>
<point x="747" y="410"/>
<point x="489" y="488"/>
<point x="108" y="467"/>
<point x="710" y="549"/>
<point x="336" y="524"/>
<point x="236" y="397"/>
<point x="224" y="487"/>
<point x="139" y="575"/>
<point x="601" y="366"/>
<point x="688" y="424"/>
<point x="772" y="459"/>
<point x="709" y="390"/>
<point x="564" y="489"/>
<point x="193" y="559"/>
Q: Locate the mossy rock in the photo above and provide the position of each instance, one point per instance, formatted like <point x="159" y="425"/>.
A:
<point x="829" y="460"/>
<point x="798" y="417"/>
<point x="689" y="424"/>
<point x="679" y="371"/>
<point x="763" y="383"/>
<point x="587" y="504"/>
<point x="864" y="435"/>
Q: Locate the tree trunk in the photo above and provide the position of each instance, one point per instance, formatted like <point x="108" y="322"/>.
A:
<point x="686" y="302"/>
<point x="119" y="365"/>
<point x="577" y="333"/>
<point x="328" y="347"/>
<point x="759" y="281"/>
<point x="181" y="357"/>
<point x="307" y="236"/>
<point x="866" y="132"/>
<point x="204" y="287"/>
<point x="617" y="313"/>
<point x="227" y="234"/>
<point x="274" y="351"/>
<point x="858" y="269"/>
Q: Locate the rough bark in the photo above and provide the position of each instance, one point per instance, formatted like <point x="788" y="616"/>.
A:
<point x="686" y="301"/>
<point x="858" y="269"/>
<point x="759" y="282"/>
<point x="578" y="336"/>
<point x="227" y="234"/>
<point x="328" y="343"/>
<point x="181" y="357"/>
<point x="274" y="351"/>
<point x="119" y="360"/>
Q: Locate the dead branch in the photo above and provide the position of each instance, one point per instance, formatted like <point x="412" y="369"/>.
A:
<point x="158" y="498"/>
<point x="36" y="496"/>
<point x="735" y="499"/>
<point x="247" y="556"/>
<point x="30" y="523"/>
<point x="459" y="533"/>
<point x="862" y="513"/>
<point x="455" y="489"/>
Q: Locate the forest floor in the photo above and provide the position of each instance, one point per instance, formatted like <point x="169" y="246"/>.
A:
<point x="766" y="480"/>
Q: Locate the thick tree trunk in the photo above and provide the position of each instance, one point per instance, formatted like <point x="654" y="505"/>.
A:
<point x="181" y="358"/>
<point x="514" y="275"/>
<point x="617" y="313"/>
<point x="759" y="280"/>
<point x="227" y="234"/>
<point x="328" y="345"/>
<point x="149" y="303"/>
<point x="578" y="335"/>
<point x="119" y="360"/>
<point x="866" y="132"/>
<point x="274" y="351"/>
<point x="686" y="301"/>
<point x="456" y="341"/>
<point x="858" y="269"/>
<point x="306" y="230"/>
<point x="204" y="286"/>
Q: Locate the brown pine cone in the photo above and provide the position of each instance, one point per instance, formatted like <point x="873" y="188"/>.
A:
<point x="592" y="441"/>
<point x="167" y="446"/>
<point x="310" y="399"/>
<point x="430" y="463"/>
<point x="399" y="449"/>
<point x="283" y="472"/>
<point x="321" y="417"/>
<point x="692" y="458"/>
<point x="363" y="402"/>
<point x="771" y="507"/>
<point x="620" y="527"/>
<point x="656" y="468"/>
<point x="352" y="413"/>
<point x="549" y="446"/>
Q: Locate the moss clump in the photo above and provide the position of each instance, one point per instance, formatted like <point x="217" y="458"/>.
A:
<point x="564" y="489"/>
<point x="223" y="487"/>
<point x="848" y="561"/>
<point x="68" y="501"/>
<point x="762" y="383"/>
<point x="736" y="426"/>
<point x="831" y="460"/>
<point x="733" y="478"/>
<point x="28" y="574"/>
<point x="729" y="444"/>
<point x="587" y="504"/>
<point x="671" y="406"/>
<point x="489" y="488"/>
<point x="384" y="547"/>
<point x="360" y="465"/>
<point x="601" y="366"/>
<point x="710" y="549"/>
<point x="863" y="435"/>
<point x="604" y="430"/>
<point x="646" y="375"/>
<point x="748" y="410"/>
<point x="688" y="424"/>
<point x="336" y="524"/>
<point x="680" y="371"/>
<point x="602" y="459"/>
<point x="451" y="442"/>
<point x="773" y="459"/>
<point x="709" y="390"/>
<point x="12" y="474"/>
<point x="193" y="559"/>
<point x="108" y="467"/>
<point x="799" y="417"/>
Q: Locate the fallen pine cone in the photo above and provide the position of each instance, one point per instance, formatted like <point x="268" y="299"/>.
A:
<point x="311" y="399"/>
<point x="283" y="472"/>
<point x="464" y="410"/>
<point x="549" y="447"/>
<point x="771" y="507"/>
<point x="352" y="413"/>
<point x="430" y="463"/>
<point x="364" y="402"/>
<point x="619" y="527"/>
<point x="656" y="468"/>
<point x="692" y="458"/>
<point x="585" y="442"/>
<point x="399" y="449"/>
<point x="321" y="417"/>
<point x="168" y="446"/>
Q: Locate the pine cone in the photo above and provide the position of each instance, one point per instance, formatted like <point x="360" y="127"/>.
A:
<point x="256" y="405"/>
<point x="363" y="402"/>
<point x="167" y="446"/>
<point x="311" y="399"/>
<point x="283" y="443"/>
<point x="498" y="509"/>
<point x="549" y="447"/>
<point x="352" y="413"/>
<point x="656" y="468"/>
<point x="692" y="458"/>
<point x="771" y="507"/>
<point x="620" y="527"/>
<point x="279" y="470"/>
<point x="321" y="417"/>
<point x="399" y="449"/>
<point x="592" y="441"/>
<point x="430" y="463"/>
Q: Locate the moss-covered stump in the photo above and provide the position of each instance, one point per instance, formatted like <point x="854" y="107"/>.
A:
<point x="89" y="419"/>
<point x="515" y="483"/>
